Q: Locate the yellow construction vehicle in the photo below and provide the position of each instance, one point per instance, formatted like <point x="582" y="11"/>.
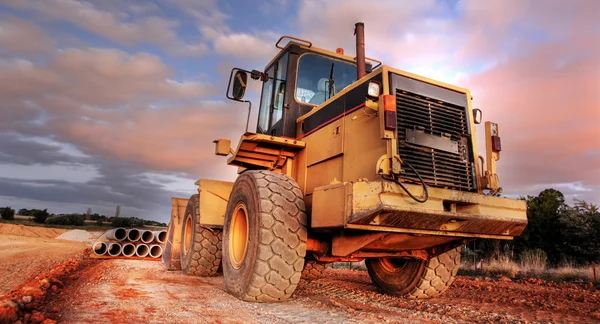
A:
<point x="351" y="160"/>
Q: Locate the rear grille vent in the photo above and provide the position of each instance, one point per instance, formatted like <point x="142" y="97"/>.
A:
<point x="438" y="168"/>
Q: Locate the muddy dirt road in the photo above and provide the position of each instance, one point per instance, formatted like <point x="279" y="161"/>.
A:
<point x="132" y="291"/>
<point x="24" y="257"/>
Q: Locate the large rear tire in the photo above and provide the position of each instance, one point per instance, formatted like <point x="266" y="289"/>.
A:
<point x="412" y="278"/>
<point x="313" y="270"/>
<point x="200" y="246"/>
<point x="264" y="237"/>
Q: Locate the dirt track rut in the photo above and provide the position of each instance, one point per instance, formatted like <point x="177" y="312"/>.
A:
<point x="126" y="291"/>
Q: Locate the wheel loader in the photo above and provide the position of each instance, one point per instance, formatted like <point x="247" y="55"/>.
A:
<point x="351" y="160"/>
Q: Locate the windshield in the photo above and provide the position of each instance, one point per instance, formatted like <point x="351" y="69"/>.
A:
<point x="320" y="78"/>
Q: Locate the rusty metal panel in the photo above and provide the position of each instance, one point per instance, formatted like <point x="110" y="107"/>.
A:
<point x="170" y="257"/>
<point x="362" y="145"/>
<point x="213" y="197"/>
<point x="383" y="206"/>
<point x="329" y="206"/>
<point x="323" y="173"/>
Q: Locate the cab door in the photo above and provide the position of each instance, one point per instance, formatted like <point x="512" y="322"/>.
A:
<point x="273" y="99"/>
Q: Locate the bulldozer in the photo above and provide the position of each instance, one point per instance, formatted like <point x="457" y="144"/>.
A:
<point x="351" y="161"/>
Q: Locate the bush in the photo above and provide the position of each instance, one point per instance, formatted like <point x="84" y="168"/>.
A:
<point x="70" y="219"/>
<point x="7" y="213"/>
<point x="40" y="216"/>
<point x="99" y="222"/>
<point x="533" y="262"/>
<point x="126" y="222"/>
<point x="24" y="212"/>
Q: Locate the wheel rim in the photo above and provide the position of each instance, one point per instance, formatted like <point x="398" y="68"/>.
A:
<point x="393" y="265"/>
<point x="238" y="239"/>
<point x="187" y="243"/>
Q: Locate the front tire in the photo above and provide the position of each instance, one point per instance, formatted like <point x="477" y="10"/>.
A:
<point x="200" y="246"/>
<point x="412" y="278"/>
<point x="264" y="237"/>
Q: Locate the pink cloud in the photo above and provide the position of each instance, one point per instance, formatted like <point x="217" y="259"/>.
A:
<point x="18" y="36"/>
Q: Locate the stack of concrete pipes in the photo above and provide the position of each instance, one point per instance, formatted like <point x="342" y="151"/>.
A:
<point x="131" y="242"/>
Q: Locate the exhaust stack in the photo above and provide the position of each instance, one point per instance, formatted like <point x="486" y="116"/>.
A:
<point x="361" y="69"/>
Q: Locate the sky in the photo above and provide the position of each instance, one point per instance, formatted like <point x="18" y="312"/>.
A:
<point x="106" y="103"/>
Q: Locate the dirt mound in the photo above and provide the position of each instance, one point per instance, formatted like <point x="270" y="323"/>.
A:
<point x="30" y="231"/>
<point x="77" y="236"/>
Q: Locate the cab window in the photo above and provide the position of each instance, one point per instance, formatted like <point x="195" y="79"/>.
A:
<point x="320" y="78"/>
<point x="265" y="104"/>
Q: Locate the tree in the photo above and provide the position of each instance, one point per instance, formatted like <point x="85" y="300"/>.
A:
<point x="40" y="216"/>
<point x="24" y="212"/>
<point x="7" y="213"/>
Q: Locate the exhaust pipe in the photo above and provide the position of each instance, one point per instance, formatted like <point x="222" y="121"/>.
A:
<point x="114" y="249"/>
<point x="359" y="31"/>
<point x="100" y="248"/>
<point x="133" y="235"/>
<point x="147" y="236"/>
<point x="118" y="234"/>
<point x="129" y="250"/>
<point x="142" y="250"/>
<point x="156" y="251"/>
<point x="160" y="236"/>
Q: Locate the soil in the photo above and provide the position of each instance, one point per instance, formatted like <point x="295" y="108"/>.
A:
<point x="23" y="257"/>
<point x="122" y="291"/>
<point x="31" y="231"/>
<point x="87" y="290"/>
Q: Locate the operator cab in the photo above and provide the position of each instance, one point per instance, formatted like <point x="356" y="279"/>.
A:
<point x="298" y="79"/>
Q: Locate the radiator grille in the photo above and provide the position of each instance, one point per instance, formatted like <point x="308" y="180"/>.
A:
<point x="437" y="168"/>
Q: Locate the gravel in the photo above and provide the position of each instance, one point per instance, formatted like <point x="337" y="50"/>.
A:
<point x="77" y="236"/>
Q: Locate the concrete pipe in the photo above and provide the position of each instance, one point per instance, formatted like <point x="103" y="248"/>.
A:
<point x="100" y="248"/>
<point x="118" y="234"/>
<point x="156" y="251"/>
<point x="160" y="236"/>
<point x="142" y="250"/>
<point x="133" y="235"/>
<point x="129" y="249"/>
<point x="114" y="249"/>
<point x="147" y="236"/>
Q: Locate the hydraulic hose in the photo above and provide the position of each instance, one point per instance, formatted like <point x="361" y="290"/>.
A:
<point x="394" y="179"/>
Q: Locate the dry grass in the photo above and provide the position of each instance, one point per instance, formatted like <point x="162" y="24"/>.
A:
<point x="568" y="272"/>
<point x="532" y="264"/>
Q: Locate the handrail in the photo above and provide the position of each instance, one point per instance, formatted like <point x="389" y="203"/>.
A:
<point x="294" y="38"/>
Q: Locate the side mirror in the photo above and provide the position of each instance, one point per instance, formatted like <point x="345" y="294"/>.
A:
<point x="240" y="81"/>
<point x="477" y="116"/>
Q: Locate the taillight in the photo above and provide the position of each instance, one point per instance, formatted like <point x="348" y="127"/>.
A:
<point x="389" y="108"/>
<point x="496" y="145"/>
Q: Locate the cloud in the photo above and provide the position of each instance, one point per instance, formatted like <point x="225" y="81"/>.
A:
<point x="128" y="25"/>
<point x="246" y="46"/>
<point x="18" y="36"/>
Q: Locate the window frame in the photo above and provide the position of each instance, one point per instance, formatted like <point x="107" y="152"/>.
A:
<point x="298" y="74"/>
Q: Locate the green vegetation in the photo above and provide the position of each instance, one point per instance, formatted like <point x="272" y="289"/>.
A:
<point x="69" y="219"/>
<point x="560" y="242"/>
<point x="7" y="213"/>
<point x="87" y="220"/>
<point x="40" y="216"/>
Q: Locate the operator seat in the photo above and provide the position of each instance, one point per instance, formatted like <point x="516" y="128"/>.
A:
<point x="322" y="92"/>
